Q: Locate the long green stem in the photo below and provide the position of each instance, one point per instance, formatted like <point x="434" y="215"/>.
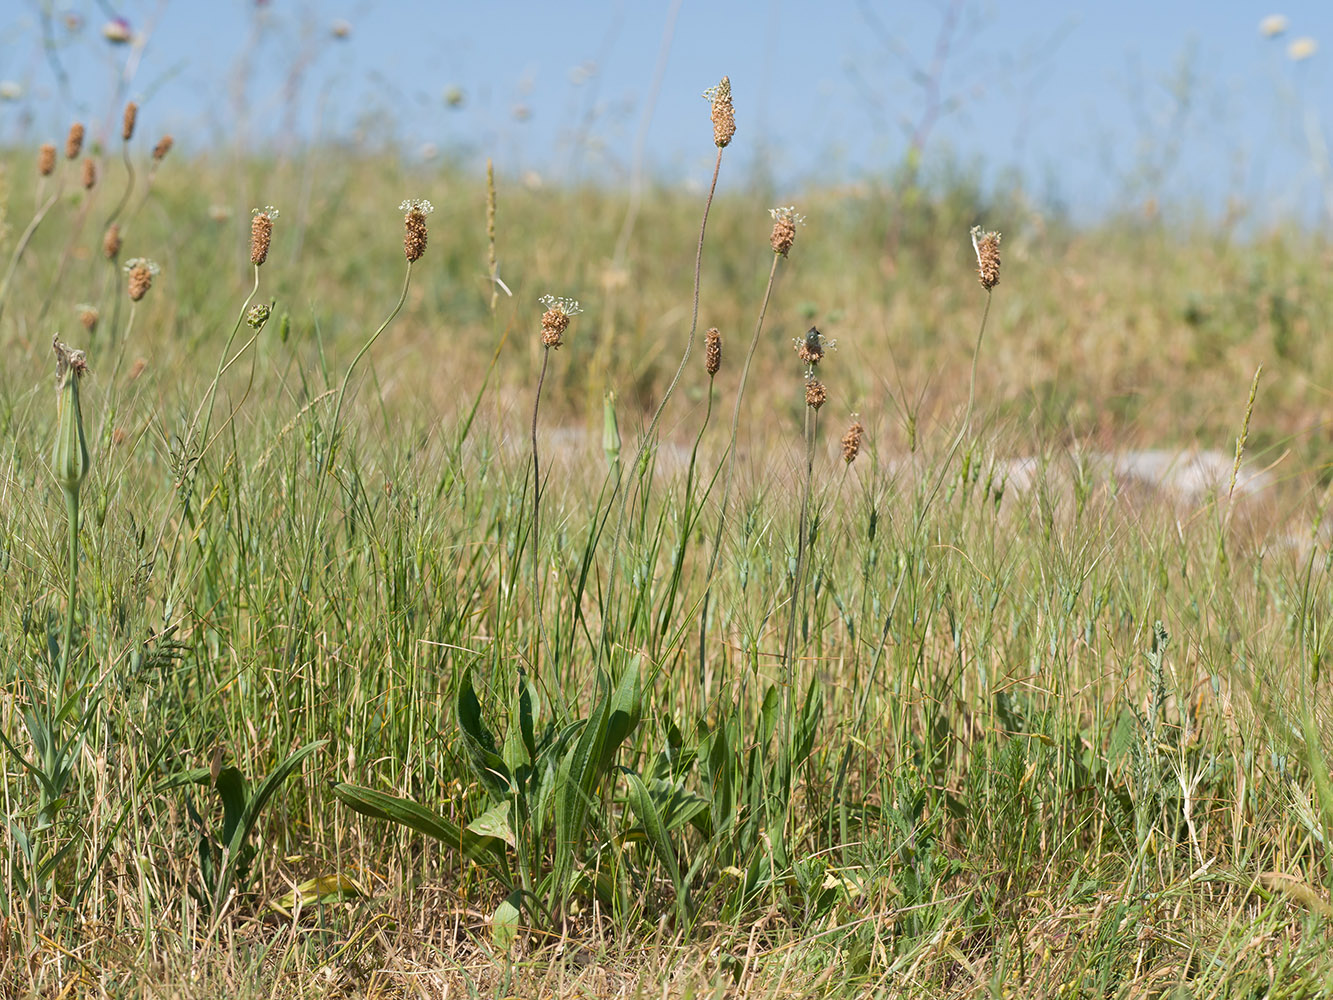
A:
<point x="66" y="649"/>
<point x="222" y="358"/>
<point x="342" y="390"/>
<point x="731" y="455"/>
<point x="536" y="509"/>
<point x="22" y="245"/>
<point x="647" y="440"/>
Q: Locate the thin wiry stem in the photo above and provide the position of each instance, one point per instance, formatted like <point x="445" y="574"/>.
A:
<point x="536" y="510"/>
<point x="67" y="648"/>
<point x="22" y="245"/>
<point x="647" y="440"/>
<point x="731" y="456"/>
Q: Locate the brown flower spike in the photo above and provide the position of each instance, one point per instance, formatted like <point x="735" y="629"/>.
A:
<point x="74" y="141"/>
<point x="851" y="441"/>
<point x="141" y="272"/>
<point x="127" y="126"/>
<point x="162" y="148"/>
<point x="261" y="233"/>
<point x="785" y="221"/>
<point x="414" y="224"/>
<point x="111" y="242"/>
<point x="89" y="173"/>
<point x="987" y="247"/>
<point x="724" y="115"/>
<point x="88" y="316"/>
<point x="46" y="159"/>
<point x="815" y="393"/>
<point x="555" y="321"/>
<point x="712" y="352"/>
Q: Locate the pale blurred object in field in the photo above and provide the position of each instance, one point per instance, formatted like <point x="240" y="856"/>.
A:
<point x="73" y="21"/>
<point x="219" y="213"/>
<point x="454" y="96"/>
<point x="428" y="151"/>
<point x="521" y="112"/>
<point x="341" y="28"/>
<point x="117" y="31"/>
<point x="10" y="90"/>
<point x="1273" y="25"/>
<point x="1302" y="48"/>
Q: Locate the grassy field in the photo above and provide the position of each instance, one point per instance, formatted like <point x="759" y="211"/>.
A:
<point x="325" y="699"/>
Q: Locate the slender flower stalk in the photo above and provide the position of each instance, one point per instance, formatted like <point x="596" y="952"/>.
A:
<point x="720" y="99"/>
<point x="555" y="321"/>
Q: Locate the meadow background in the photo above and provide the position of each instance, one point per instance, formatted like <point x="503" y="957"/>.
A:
<point x="1023" y="695"/>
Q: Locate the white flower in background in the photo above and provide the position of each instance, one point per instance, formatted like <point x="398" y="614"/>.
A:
<point x="1302" y="48"/>
<point x="10" y="90"/>
<point x="1273" y="25"/>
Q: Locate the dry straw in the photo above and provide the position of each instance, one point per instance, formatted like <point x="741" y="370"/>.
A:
<point x="46" y="159"/>
<point x="111" y="242"/>
<point x="555" y="321"/>
<point x="127" y="126"/>
<point x="141" y="272"/>
<point x="851" y="441"/>
<point x="74" y="141"/>
<point x="414" y="224"/>
<point x="785" y="221"/>
<point x="261" y="233"/>
<point x="724" y="115"/>
<point x="712" y="352"/>
<point x="162" y="148"/>
<point x="987" y="247"/>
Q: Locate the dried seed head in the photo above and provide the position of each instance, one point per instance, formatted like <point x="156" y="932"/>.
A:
<point x="162" y="148"/>
<point x="141" y="272"/>
<point x="127" y="126"/>
<point x="815" y="393"/>
<point x="88" y="316"/>
<point x="555" y="321"/>
<point x="261" y="232"/>
<point x="111" y="241"/>
<point x="119" y="436"/>
<point x="712" y="352"/>
<point x="785" y="221"/>
<point x="89" y="177"/>
<point x="987" y="246"/>
<point x="414" y="224"/>
<point x="138" y="368"/>
<point x="46" y="159"/>
<point x="851" y="441"/>
<point x="74" y="141"/>
<point x="724" y="115"/>
<point x="258" y="316"/>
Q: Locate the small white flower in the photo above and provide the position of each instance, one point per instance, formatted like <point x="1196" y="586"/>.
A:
<point x="421" y="205"/>
<point x="570" y="307"/>
<point x="268" y="210"/>
<point x="788" y="212"/>
<point x="134" y="263"/>
<point x="1273" y="25"/>
<point x="10" y="90"/>
<point x="1302" y="48"/>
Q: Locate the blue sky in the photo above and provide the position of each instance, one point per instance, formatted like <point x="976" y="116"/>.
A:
<point x="1098" y="105"/>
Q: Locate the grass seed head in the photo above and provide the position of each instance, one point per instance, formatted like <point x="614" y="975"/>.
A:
<point x="724" y="115"/>
<point x="127" y="125"/>
<point x="141" y="272"/>
<point x="258" y="316"/>
<point x="851" y="441"/>
<point x="111" y="241"/>
<point x="89" y="176"/>
<point x="815" y="393"/>
<point x="162" y="148"/>
<point x="414" y="224"/>
<point x="987" y="247"/>
<point x="46" y="159"/>
<point x="261" y="233"/>
<point x="74" y="141"/>
<point x="785" y="221"/>
<point x="555" y="321"/>
<point x="712" y="352"/>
